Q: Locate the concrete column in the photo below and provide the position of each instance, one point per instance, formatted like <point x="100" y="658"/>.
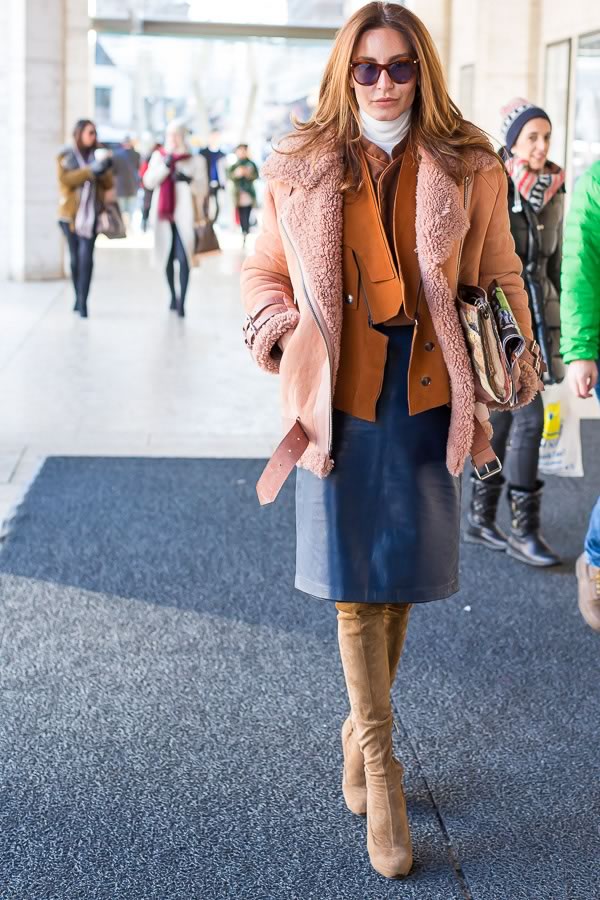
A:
<point x="4" y="144"/>
<point x="506" y="62"/>
<point x="80" y="48"/>
<point x="435" y="15"/>
<point x="32" y="102"/>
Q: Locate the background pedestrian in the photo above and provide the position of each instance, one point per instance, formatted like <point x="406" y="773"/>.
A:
<point x="126" y="164"/>
<point x="580" y="346"/>
<point x="179" y="181"/>
<point x="243" y="174"/>
<point x="536" y="204"/>
<point x="84" y="177"/>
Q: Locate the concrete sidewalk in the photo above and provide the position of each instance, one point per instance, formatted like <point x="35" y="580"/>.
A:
<point x="132" y="379"/>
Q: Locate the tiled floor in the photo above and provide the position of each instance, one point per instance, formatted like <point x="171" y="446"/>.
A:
<point x="133" y="379"/>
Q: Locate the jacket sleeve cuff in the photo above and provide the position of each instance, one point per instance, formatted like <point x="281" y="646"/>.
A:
<point x="265" y="351"/>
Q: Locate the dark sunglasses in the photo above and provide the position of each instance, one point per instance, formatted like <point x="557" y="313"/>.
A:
<point x="401" y="71"/>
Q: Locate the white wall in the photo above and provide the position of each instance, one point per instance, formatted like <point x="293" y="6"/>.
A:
<point x="564" y="19"/>
<point x="4" y="144"/>
<point x="78" y="52"/>
<point x="34" y="95"/>
<point x="34" y="46"/>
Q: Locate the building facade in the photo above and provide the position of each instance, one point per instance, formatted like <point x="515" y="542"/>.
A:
<point x="545" y="50"/>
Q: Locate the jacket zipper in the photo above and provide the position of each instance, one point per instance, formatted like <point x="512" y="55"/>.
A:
<point x="322" y="328"/>
<point x="465" y="203"/>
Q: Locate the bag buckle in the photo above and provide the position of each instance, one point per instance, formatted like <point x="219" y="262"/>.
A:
<point x="488" y="469"/>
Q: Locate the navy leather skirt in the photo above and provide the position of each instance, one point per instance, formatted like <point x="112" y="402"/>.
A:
<point x="384" y="526"/>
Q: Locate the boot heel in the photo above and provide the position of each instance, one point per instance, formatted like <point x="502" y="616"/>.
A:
<point x="388" y="835"/>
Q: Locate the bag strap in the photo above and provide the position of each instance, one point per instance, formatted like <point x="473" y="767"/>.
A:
<point x="281" y="463"/>
<point x="484" y="460"/>
<point x="533" y="356"/>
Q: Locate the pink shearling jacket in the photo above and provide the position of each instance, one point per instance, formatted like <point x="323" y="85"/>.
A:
<point x="293" y="283"/>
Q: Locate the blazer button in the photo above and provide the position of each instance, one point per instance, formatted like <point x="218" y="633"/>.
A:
<point x="349" y="299"/>
<point x="426" y="381"/>
<point x="429" y="346"/>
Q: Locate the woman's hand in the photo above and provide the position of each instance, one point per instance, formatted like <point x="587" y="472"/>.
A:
<point x="582" y="376"/>
<point x="100" y="166"/>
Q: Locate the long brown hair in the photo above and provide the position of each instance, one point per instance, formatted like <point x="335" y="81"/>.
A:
<point x="436" y="122"/>
<point x="78" y="130"/>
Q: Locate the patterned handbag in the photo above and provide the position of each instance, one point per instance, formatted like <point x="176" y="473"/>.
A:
<point x="494" y="341"/>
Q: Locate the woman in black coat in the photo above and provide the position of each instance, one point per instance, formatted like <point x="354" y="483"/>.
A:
<point x="536" y="207"/>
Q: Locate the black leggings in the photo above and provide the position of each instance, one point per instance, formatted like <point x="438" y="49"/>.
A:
<point x="81" y="253"/>
<point x="517" y="437"/>
<point x="178" y="254"/>
<point x="214" y="192"/>
<point x="244" y="214"/>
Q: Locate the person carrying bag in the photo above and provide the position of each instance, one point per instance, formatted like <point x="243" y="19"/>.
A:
<point x="378" y="391"/>
<point x="535" y="204"/>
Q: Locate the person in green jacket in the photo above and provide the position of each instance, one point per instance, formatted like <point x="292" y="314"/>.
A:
<point x="243" y="173"/>
<point x="580" y="348"/>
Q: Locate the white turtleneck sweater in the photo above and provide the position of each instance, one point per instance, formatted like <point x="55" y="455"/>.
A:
<point x="385" y="134"/>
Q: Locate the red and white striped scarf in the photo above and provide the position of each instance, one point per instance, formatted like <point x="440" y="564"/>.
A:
<point x="535" y="187"/>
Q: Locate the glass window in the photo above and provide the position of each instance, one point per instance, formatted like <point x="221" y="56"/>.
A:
<point x="102" y="97"/>
<point x="586" y="137"/>
<point x="267" y="12"/>
<point x="556" y="96"/>
<point x="244" y="88"/>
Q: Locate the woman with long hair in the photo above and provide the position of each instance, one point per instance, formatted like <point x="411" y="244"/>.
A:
<point x="375" y="373"/>
<point x="179" y="181"/>
<point x="536" y="197"/>
<point x="83" y="181"/>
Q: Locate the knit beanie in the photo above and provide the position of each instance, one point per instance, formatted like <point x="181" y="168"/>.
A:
<point x="515" y="115"/>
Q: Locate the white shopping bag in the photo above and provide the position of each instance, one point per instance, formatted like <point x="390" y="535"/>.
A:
<point x="560" y="450"/>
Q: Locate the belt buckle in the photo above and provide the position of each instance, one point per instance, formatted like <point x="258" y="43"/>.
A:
<point x="249" y="326"/>
<point x="488" y="469"/>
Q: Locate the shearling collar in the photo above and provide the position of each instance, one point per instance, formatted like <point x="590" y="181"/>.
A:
<point x="309" y="171"/>
<point x="301" y="171"/>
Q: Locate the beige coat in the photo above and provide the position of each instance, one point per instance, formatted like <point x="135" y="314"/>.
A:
<point x="298" y="263"/>
<point x="189" y="202"/>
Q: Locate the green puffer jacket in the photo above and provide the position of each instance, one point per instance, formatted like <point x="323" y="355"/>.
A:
<point x="580" y="277"/>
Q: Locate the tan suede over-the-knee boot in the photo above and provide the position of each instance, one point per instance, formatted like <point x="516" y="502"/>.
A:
<point x="354" y="785"/>
<point x="361" y="634"/>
